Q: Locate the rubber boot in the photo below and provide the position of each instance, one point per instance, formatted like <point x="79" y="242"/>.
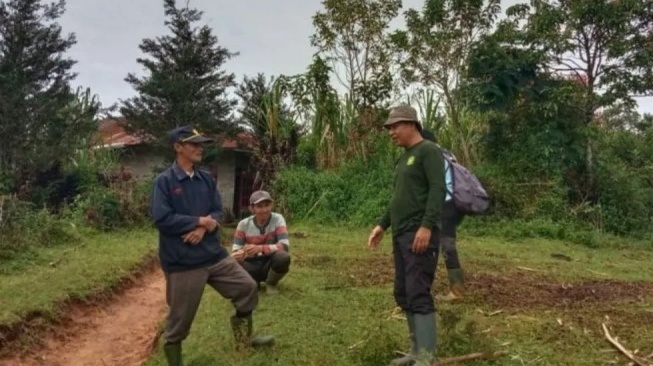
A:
<point x="243" y="329"/>
<point x="456" y="285"/>
<point x="272" y="282"/>
<point x="425" y="338"/>
<point x="173" y="353"/>
<point x="408" y="359"/>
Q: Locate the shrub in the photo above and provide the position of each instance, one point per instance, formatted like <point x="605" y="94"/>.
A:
<point x="121" y="204"/>
<point x="24" y="228"/>
<point x="356" y="193"/>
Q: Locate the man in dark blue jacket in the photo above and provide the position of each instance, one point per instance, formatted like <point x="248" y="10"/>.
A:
<point x="186" y="208"/>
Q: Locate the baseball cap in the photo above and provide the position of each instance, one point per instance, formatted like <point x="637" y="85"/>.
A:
<point x="402" y="113"/>
<point x="259" y="196"/>
<point x="187" y="134"/>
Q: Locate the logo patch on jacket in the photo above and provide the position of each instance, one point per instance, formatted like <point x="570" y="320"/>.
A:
<point x="411" y="160"/>
<point x="176" y="190"/>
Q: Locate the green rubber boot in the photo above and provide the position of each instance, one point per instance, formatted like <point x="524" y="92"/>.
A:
<point x="408" y="359"/>
<point x="456" y="285"/>
<point x="425" y="337"/>
<point x="272" y="282"/>
<point x="243" y="329"/>
<point x="173" y="353"/>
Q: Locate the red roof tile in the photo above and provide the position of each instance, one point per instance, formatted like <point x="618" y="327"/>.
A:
<point x="112" y="134"/>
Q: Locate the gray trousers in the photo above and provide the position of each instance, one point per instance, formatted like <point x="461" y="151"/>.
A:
<point x="414" y="273"/>
<point x="184" y="291"/>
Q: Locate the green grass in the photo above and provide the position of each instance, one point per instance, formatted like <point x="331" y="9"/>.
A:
<point x="89" y="264"/>
<point x="337" y="307"/>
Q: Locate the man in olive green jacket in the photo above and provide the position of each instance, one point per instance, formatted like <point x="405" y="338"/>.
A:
<point x="414" y="213"/>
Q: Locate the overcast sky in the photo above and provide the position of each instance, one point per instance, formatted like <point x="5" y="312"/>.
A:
<point x="271" y="36"/>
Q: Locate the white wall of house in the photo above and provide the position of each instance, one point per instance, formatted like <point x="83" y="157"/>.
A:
<point x="227" y="179"/>
<point x="141" y="164"/>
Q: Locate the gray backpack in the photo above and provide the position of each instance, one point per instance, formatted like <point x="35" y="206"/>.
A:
<point x="468" y="194"/>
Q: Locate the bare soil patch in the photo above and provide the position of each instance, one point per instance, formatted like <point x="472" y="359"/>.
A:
<point x="349" y="272"/>
<point x="122" y="332"/>
<point x="370" y="271"/>
<point x="519" y="291"/>
<point x="320" y="261"/>
<point x="507" y="291"/>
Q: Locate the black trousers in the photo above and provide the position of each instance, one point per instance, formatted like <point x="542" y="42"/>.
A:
<point x="414" y="273"/>
<point x="451" y="218"/>
<point x="258" y="267"/>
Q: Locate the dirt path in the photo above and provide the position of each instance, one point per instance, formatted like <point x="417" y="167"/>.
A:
<point x="119" y="333"/>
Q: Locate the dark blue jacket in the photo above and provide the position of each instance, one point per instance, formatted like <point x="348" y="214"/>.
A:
<point x="177" y="203"/>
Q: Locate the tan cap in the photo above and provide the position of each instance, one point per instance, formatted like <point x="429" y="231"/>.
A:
<point x="402" y="113"/>
<point x="258" y="197"/>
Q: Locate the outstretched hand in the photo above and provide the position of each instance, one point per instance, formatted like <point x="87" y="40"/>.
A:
<point x="375" y="237"/>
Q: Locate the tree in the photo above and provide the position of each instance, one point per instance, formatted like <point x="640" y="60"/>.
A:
<point x="339" y="129"/>
<point x="434" y="48"/>
<point x="42" y="121"/>
<point x="252" y="92"/>
<point x="533" y="144"/>
<point x="185" y="83"/>
<point x="532" y="113"/>
<point x="277" y="133"/>
<point x="605" y="45"/>
<point x="623" y="117"/>
<point x="353" y="35"/>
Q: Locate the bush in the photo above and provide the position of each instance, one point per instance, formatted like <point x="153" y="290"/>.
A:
<point x="623" y="177"/>
<point x="356" y="193"/>
<point x="121" y="204"/>
<point x="24" y="228"/>
<point x="515" y="197"/>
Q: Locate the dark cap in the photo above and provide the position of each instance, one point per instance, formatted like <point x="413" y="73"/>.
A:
<point x="187" y="134"/>
<point x="428" y="135"/>
<point x="258" y="197"/>
<point x="403" y="113"/>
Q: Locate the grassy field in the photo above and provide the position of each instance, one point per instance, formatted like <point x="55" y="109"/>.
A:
<point x="337" y="306"/>
<point x="85" y="266"/>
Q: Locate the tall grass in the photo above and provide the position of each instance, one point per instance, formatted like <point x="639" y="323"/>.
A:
<point x="460" y="133"/>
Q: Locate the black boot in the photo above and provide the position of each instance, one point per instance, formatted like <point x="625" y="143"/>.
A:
<point x="173" y="353"/>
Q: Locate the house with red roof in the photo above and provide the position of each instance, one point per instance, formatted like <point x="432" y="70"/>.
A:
<point x="231" y="169"/>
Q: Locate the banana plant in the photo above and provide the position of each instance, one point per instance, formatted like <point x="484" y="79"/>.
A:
<point x="278" y="142"/>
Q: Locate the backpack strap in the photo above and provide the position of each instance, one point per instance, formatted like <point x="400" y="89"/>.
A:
<point x="449" y="159"/>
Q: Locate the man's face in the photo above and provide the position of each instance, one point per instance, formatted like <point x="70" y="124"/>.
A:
<point x="401" y="132"/>
<point x="263" y="209"/>
<point x="190" y="151"/>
